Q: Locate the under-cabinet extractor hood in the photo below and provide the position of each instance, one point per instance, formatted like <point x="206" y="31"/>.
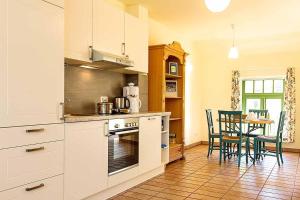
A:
<point x="103" y="60"/>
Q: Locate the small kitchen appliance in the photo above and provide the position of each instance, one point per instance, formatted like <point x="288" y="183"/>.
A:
<point x="132" y="93"/>
<point x="121" y="105"/>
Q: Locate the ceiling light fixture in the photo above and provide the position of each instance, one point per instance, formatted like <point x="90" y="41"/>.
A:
<point x="233" y="52"/>
<point x="217" y="5"/>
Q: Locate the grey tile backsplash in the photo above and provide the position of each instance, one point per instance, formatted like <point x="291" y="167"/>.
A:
<point x="83" y="87"/>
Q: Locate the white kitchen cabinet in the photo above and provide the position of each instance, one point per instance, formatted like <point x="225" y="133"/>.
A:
<point x="136" y="42"/>
<point x="86" y="159"/>
<point x="150" y="143"/>
<point x="48" y="189"/>
<point x="59" y="3"/>
<point x="26" y="164"/>
<point x="78" y="29"/>
<point x="108" y="28"/>
<point x="31" y="62"/>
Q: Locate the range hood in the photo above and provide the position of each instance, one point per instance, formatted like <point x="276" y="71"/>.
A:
<point x="103" y="60"/>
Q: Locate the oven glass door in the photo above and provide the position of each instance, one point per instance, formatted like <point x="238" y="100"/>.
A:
<point x="123" y="150"/>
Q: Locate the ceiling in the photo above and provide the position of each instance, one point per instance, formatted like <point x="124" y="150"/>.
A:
<point x="252" y="18"/>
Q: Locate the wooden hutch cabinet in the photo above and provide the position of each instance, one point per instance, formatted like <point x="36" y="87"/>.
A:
<point x="167" y="91"/>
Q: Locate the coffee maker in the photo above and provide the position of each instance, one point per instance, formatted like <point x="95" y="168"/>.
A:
<point x="132" y="93"/>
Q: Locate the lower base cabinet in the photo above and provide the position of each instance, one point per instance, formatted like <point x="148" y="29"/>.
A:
<point x="150" y="143"/>
<point x="48" y="189"/>
<point x="86" y="159"/>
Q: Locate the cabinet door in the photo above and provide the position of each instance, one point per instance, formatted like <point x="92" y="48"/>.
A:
<point x="78" y="29"/>
<point x="31" y="62"/>
<point x="136" y="42"/>
<point x="86" y="159"/>
<point x="108" y="28"/>
<point x="150" y="143"/>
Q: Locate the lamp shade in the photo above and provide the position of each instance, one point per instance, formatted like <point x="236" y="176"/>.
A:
<point x="233" y="53"/>
<point x="217" y="5"/>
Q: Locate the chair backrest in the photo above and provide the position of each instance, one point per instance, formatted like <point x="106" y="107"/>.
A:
<point x="210" y="123"/>
<point x="258" y="113"/>
<point x="230" y="123"/>
<point x="280" y="126"/>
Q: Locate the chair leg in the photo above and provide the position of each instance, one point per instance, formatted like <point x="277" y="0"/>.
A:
<point x="212" y="145"/>
<point x="239" y="153"/>
<point x="280" y="150"/>
<point x="247" y="149"/>
<point x="277" y="153"/>
<point x="224" y="150"/>
<point x="209" y="148"/>
<point x="255" y="150"/>
<point x="220" y="157"/>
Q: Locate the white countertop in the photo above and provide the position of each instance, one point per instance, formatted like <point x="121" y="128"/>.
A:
<point x="71" y="118"/>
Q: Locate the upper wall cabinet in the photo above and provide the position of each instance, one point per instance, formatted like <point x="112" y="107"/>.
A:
<point x="59" y="3"/>
<point x="108" y="28"/>
<point x="136" y="42"/>
<point x="78" y="29"/>
<point x="31" y="62"/>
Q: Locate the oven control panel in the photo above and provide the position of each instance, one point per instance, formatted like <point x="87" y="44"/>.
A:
<point x="117" y="124"/>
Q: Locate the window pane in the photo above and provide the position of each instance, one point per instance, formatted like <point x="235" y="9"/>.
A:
<point x="274" y="108"/>
<point x="278" y="86"/>
<point x="268" y="86"/>
<point x="248" y="86"/>
<point x="252" y="104"/>
<point x="258" y="86"/>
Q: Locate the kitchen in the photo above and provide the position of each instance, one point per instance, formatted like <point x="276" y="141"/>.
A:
<point x="82" y="129"/>
<point x="118" y="99"/>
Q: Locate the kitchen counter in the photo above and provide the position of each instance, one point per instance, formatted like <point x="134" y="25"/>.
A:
<point x="72" y="118"/>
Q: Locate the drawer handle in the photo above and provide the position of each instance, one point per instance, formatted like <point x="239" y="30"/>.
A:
<point x="35" y="149"/>
<point x="151" y="118"/>
<point x="35" y="130"/>
<point x="35" y="187"/>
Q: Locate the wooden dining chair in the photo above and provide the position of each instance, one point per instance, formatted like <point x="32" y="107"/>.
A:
<point x="211" y="133"/>
<point x="277" y="140"/>
<point x="258" y="113"/>
<point x="230" y="127"/>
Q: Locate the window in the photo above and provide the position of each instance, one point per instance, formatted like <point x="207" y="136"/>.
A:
<point x="264" y="94"/>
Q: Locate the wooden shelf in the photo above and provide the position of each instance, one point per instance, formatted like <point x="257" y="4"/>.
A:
<point x="175" y="145"/>
<point x="173" y="76"/>
<point x="173" y="97"/>
<point x="175" y="118"/>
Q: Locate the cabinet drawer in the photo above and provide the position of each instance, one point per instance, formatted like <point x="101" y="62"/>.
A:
<point x="26" y="135"/>
<point x="22" y="165"/>
<point x="48" y="189"/>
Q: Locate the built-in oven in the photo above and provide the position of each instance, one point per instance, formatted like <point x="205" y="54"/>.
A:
<point x="123" y="144"/>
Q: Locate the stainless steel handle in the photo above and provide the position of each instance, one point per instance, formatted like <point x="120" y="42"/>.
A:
<point x="61" y="111"/>
<point x="106" y="133"/>
<point x="35" y="130"/>
<point x="123" y="49"/>
<point x="151" y="118"/>
<point x="35" y="149"/>
<point x="35" y="187"/>
<point x="91" y="57"/>
<point x="126" y="132"/>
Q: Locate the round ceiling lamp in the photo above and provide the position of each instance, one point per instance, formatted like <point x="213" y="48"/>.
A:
<point x="217" y="5"/>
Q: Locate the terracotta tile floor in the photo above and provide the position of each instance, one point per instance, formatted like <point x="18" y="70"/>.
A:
<point x="197" y="177"/>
